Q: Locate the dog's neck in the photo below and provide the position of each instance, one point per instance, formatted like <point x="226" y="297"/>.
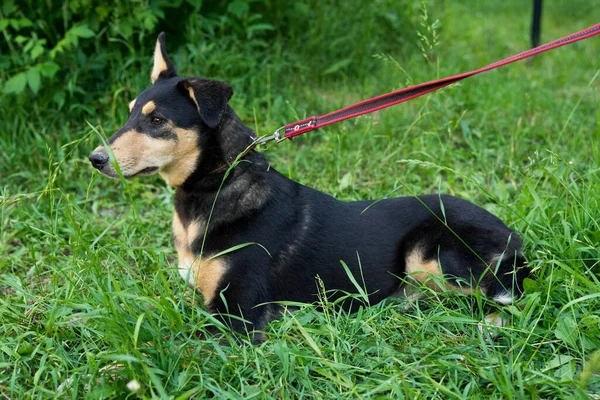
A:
<point x="219" y="148"/>
<point x="233" y="136"/>
<point x="194" y="198"/>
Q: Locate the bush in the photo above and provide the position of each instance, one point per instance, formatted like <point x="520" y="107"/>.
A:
<point x="67" y="49"/>
<point x="69" y="52"/>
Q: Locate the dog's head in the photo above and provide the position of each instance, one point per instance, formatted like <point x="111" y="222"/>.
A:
<point x="174" y="127"/>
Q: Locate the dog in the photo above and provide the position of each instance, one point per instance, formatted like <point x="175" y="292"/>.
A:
<point x="249" y="238"/>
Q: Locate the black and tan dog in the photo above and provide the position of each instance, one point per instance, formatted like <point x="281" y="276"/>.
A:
<point x="184" y="130"/>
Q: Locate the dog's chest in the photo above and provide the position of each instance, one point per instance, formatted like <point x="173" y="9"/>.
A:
<point x="200" y="271"/>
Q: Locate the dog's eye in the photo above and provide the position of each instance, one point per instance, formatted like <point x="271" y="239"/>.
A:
<point x="157" y="121"/>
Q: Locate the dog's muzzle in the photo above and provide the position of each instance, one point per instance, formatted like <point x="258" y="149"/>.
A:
<point x="98" y="160"/>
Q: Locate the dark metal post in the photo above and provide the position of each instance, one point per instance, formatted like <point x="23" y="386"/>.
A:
<point x="536" y="24"/>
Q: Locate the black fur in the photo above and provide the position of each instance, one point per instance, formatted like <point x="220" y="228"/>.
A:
<point x="305" y="234"/>
<point x="308" y="233"/>
<point x="212" y="95"/>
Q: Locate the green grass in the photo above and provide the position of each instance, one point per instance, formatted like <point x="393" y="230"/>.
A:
<point x="90" y="298"/>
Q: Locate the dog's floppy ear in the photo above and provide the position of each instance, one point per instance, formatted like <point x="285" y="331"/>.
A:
<point x="210" y="97"/>
<point x="163" y="67"/>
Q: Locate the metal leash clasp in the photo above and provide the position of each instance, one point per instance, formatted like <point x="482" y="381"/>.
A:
<point x="276" y="136"/>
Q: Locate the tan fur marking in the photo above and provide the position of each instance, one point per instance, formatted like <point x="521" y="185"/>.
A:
<point x="489" y="325"/>
<point x="461" y="289"/>
<point x="185" y="157"/>
<point x="419" y="270"/>
<point x="495" y="319"/>
<point x="201" y="273"/>
<point x="193" y="96"/>
<point x="193" y="232"/>
<point x="132" y="104"/>
<point x="424" y="271"/>
<point x="135" y="151"/>
<point x="410" y="293"/>
<point x="180" y="236"/>
<point x="148" y="107"/>
<point x="174" y="160"/>
<point x="208" y="275"/>
<point x="160" y="64"/>
<point x="494" y="260"/>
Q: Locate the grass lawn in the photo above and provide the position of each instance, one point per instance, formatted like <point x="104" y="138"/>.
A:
<point x="91" y="302"/>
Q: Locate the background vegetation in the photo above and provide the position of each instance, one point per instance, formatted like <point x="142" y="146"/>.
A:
<point x="91" y="303"/>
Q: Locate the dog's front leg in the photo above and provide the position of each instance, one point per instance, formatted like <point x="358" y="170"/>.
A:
<point x="244" y="305"/>
<point x="237" y="303"/>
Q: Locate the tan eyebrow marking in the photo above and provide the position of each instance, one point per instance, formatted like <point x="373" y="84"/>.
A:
<point x="132" y="104"/>
<point x="148" y="108"/>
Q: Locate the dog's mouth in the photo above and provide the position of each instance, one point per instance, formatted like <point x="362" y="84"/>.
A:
<point x="143" y="172"/>
<point x="110" y="172"/>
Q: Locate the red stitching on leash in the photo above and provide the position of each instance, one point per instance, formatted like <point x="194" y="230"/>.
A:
<point x="402" y="95"/>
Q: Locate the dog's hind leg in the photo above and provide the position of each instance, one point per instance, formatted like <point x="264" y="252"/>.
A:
<point x="501" y="279"/>
<point x="504" y="281"/>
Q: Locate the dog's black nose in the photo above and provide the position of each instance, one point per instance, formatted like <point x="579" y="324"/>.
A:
<point x="98" y="160"/>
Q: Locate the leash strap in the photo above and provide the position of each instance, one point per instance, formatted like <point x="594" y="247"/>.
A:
<point x="386" y="100"/>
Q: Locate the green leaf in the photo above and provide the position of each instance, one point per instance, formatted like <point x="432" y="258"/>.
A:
<point x="37" y="51"/>
<point x="25" y="23"/>
<point x="530" y="285"/>
<point x="563" y="366"/>
<point x="566" y="373"/>
<point x="237" y="247"/>
<point x="238" y="8"/>
<point x="567" y="330"/>
<point x="17" y="24"/>
<point x="150" y="21"/>
<point x="28" y="45"/>
<point x="102" y="12"/>
<point x="48" y="68"/>
<point x="16" y="84"/>
<point x="556" y="362"/>
<point x="260" y="27"/>
<point x="8" y="7"/>
<point x="136" y="332"/>
<point x="82" y="31"/>
<point x="33" y="79"/>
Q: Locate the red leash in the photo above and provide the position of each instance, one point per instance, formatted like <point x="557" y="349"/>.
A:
<point x="402" y="95"/>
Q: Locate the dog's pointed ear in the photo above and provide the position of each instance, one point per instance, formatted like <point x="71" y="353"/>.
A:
<point x="163" y="67"/>
<point x="210" y="97"/>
